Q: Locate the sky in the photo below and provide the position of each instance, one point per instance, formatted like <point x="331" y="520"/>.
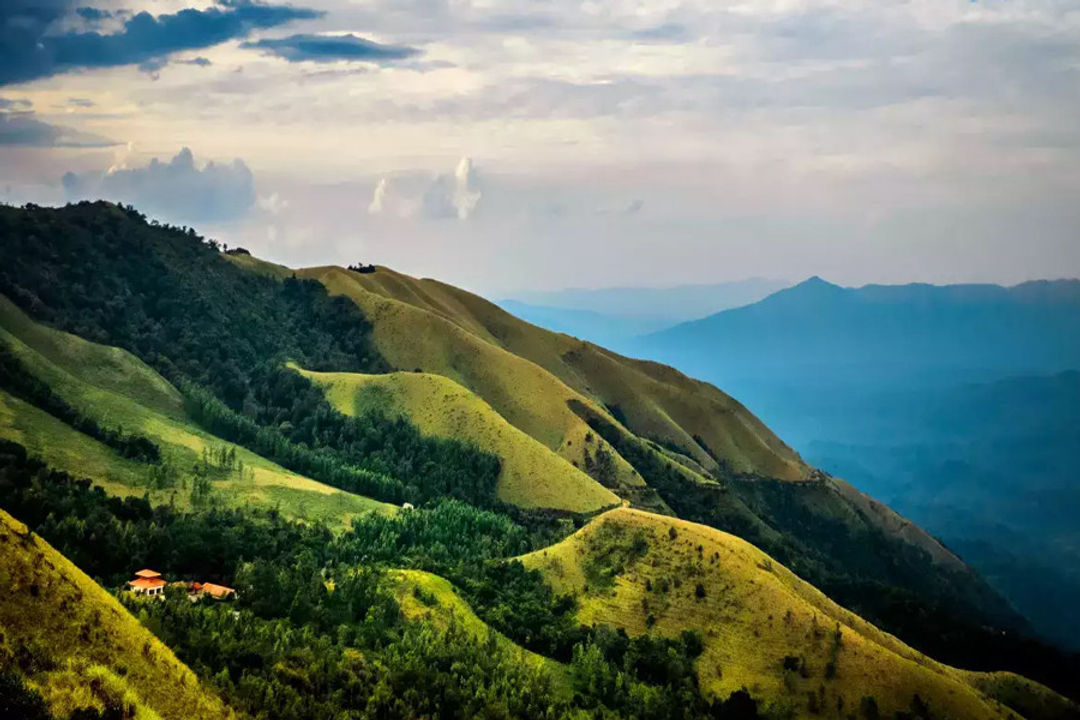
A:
<point x="508" y="145"/>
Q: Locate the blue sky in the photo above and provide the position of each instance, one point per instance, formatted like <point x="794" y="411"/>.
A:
<point x="508" y="144"/>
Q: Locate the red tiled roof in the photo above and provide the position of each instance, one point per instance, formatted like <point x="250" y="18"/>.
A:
<point x="146" y="583"/>
<point x="147" y="574"/>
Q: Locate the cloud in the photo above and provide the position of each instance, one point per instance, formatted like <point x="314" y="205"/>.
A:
<point x="328" y="48"/>
<point x="29" y="51"/>
<point x="22" y="128"/>
<point x="446" y="196"/>
<point x="175" y="191"/>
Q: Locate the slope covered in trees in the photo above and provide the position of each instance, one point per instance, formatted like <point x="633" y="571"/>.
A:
<point x="100" y="412"/>
<point x="222" y="335"/>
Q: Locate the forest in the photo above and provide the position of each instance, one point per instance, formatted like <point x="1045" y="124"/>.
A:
<point x="317" y="632"/>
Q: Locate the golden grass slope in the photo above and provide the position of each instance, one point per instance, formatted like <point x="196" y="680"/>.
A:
<point x="656" y="401"/>
<point x="120" y="391"/>
<point x="531" y="475"/>
<point x="80" y="645"/>
<point x="753" y="613"/>
<point x="525" y="394"/>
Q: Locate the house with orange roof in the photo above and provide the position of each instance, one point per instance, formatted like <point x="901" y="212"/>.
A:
<point x="218" y="592"/>
<point x="147" y="582"/>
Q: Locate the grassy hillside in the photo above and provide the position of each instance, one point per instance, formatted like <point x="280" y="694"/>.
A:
<point x="763" y="627"/>
<point x="531" y="475"/>
<point x="526" y="395"/>
<point x="78" y="646"/>
<point x="119" y="391"/>
<point x="652" y="400"/>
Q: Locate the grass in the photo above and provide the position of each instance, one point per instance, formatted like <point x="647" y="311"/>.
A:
<point x="118" y="390"/>
<point x="529" y="397"/>
<point x="653" y="400"/>
<point x="531" y="475"/>
<point x="753" y="614"/>
<point x="79" y="646"/>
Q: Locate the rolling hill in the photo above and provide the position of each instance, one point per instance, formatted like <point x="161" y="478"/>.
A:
<point x="117" y="390"/>
<point x="78" y="647"/>
<point x="763" y="628"/>
<point x="530" y="475"/>
<point x="413" y="321"/>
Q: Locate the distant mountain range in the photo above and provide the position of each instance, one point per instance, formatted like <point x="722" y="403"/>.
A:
<point x="819" y="331"/>
<point x="607" y="315"/>
<point x="955" y="404"/>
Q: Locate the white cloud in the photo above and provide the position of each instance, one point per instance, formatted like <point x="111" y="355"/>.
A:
<point x="176" y="191"/>
<point x="415" y="195"/>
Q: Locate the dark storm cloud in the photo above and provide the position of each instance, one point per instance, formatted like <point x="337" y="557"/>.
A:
<point x="327" y="48"/>
<point x="176" y="191"/>
<point x="28" y="51"/>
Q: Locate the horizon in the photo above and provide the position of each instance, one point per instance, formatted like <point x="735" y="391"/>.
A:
<point x="507" y="146"/>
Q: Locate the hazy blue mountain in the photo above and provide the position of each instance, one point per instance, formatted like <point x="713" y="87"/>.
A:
<point x="820" y="331"/>
<point x="596" y="327"/>
<point x="957" y="405"/>
<point x="989" y="468"/>
<point x="669" y="304"/>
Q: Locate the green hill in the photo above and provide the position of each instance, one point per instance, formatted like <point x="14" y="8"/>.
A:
<point x="763" y="627"/>
<point x="117" y="390"/>
<point x="652" y="400"/>
<point x="78" y="647"/>
<point x="530" y="475"/>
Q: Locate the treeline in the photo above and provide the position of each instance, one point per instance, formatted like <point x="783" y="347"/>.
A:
<point x="317" y="632"/>
<point x="290" y="422"/>
<point x="16" y="379"/>
<point x="168" y="296"/>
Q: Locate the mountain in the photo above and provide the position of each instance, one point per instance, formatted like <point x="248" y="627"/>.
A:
<point x="613" y="315"/>
<point x="877" y="333"/>
<point x="373" y="461"/>
<point x="954" y="404"/>
<point x="670" y="304"/>
<point x="990" y="468"/>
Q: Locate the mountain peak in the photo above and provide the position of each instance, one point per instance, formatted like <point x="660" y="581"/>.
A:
<point x="816" y="281"/>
